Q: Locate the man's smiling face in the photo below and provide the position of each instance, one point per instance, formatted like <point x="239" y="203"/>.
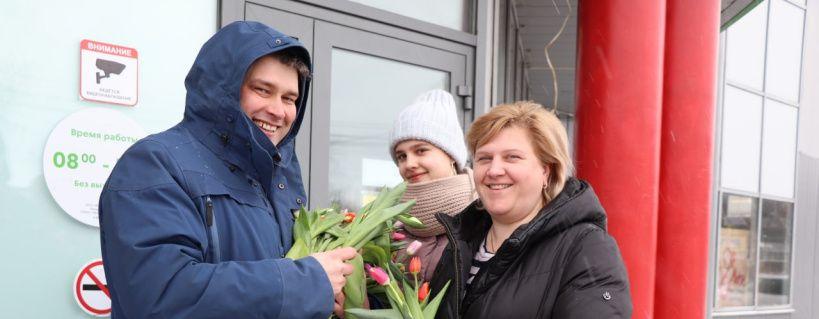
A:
<point x="269" y="95"/>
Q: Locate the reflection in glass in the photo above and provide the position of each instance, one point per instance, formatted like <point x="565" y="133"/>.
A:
<point x="451" y="14"/>
<point x="741" y="135"/>
<point x="737" y="252"/>
<point x="775" y="253"/>
<point x="778" y="149"/>
<point x="745" y="48"/>
<point x="784" y="50"/>
<point x="367" y="94"/>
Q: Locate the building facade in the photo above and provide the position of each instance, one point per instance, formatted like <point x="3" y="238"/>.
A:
<point x="630" y="79"/>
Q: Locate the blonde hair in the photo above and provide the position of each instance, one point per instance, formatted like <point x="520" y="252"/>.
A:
<point x="548" y="136"/>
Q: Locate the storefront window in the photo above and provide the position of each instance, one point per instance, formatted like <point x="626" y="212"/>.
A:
<point x="784" y="50"/>
<point x="737" y="251"/>
<point x="745" y="48"/>
<point x="775" y="253"/>
<point x="741" y="127"/>
<point x="778" y="149"/>
<point x="758" y="158"/>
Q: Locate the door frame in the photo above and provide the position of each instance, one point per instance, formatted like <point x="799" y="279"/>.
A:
<point x="312" y="143"/>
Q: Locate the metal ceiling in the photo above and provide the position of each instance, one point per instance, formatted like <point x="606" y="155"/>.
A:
<point x="540" y="20"/>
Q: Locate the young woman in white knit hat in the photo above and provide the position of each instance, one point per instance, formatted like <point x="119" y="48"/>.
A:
<point x="427" y="144"/>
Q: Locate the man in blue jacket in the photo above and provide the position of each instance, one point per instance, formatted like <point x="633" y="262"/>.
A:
<point x="195" y="221"/>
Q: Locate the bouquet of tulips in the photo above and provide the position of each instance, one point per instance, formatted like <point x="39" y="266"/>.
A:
<point x="368" y="231"/>
<point x="407" y="299"/>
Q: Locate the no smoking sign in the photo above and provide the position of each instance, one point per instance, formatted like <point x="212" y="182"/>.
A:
<point x="91" y="290"/>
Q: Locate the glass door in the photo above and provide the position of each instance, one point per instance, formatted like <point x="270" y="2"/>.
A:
<point x="364" y="73"/>
<point x="362" y="82"/>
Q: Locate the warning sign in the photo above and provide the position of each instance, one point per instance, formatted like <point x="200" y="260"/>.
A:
<point x="91" y="290"/>
<point x="108" y="73"/>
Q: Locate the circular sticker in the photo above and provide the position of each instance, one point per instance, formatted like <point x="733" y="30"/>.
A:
<point x="91" y="290"/>
<point x="80" y="154"/>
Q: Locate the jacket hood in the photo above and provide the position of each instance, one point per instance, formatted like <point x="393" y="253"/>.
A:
<point x="576" y="204"/>
<point x="214" y="88"/>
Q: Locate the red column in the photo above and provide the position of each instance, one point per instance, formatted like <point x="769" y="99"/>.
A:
<point x="619" y="97"/>
<point x="689" y="96"/>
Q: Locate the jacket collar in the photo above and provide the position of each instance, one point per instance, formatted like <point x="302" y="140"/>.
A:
<point x="576" y="204"/>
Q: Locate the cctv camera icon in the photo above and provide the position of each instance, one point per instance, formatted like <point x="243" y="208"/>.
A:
<point x="108" y="67"/>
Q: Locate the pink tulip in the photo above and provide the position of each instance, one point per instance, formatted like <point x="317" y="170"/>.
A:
<point x="396" y="236"/>
<point x="413" y="247"/>
<point x="379" y="275"/>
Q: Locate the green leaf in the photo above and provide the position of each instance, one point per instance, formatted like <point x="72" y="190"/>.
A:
<point x="397" y="245"/>
<point x="374" y="254"/>
<point x="302" y="224"/>
<point x="391" y="197"/>
<point x="377" y="217"/>
<point x="384" y="241"/>
<point x="411" y="295"/>
<point x="375" y="232"/>
<point x="395" y="270"/>
<point x="393" y="291"/>
<point x="432" y="308"/>
<point x="355" y="290"/>
<point x="374" y="314"/>
<point x="380" y="200"/>
<point x="337" y="231"/>
<point x="330" y="220"/>
<point x="298" y="250"/>
<point x="367" y="209"/>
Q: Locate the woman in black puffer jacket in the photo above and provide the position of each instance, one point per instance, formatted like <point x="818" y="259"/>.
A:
<point x="535" y="245"/>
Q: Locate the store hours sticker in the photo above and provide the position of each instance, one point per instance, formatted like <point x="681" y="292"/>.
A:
<point x="79" y="156"/>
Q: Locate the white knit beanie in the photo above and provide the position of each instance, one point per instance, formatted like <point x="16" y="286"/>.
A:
<point x="431" y="118"/>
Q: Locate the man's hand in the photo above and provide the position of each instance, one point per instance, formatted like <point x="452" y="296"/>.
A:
<point x="338" y="307"/>
<point x="334" y="265"/>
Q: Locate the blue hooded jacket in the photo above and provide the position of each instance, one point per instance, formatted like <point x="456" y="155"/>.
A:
<point x="195" y="221"/>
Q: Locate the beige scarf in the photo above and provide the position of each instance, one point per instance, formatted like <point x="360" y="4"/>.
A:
<point x="448" y="195"/>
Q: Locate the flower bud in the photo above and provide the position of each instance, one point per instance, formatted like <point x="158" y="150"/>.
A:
<point x="348" y="217"/>
<point x="379" y="275"/>
<point x="396" y="236"/>
<point x="415" y="265"/>
<point x="413" y="247"/>
<point x="423" y="292"/>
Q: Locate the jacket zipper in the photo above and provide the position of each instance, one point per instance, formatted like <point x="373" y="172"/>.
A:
<point x="458" y="269"/>
<point x="208" y="212"/>
<point x="212" y="230"/>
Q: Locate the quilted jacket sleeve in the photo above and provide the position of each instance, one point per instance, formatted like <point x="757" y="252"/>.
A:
<point x="595" y="283"/>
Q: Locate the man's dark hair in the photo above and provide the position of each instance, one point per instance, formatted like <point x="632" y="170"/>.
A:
<point x="293" y="58"/>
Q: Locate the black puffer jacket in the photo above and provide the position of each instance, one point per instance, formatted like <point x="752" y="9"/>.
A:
<point x="562" y="264"/>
